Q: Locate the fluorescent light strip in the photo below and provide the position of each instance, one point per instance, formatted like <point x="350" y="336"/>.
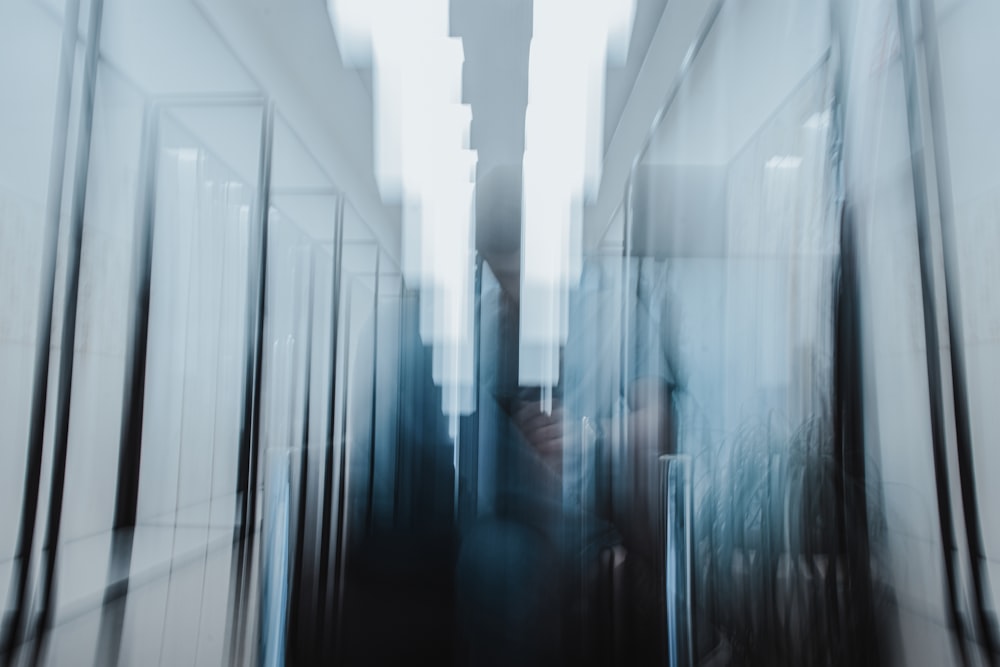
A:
<point x="422" y="160"/>
<point x="563" y="142"/>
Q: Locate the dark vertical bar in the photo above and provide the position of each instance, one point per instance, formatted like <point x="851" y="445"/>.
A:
<point x="982" y="593"/>
<point x="616" y="648"/>
<point x="11" y="630"/>
<point x="466" y="472"/>
<point x="849" y="457"/>
<point x="675" y="547"/>
<point x="322" y="639"/>
<point x="374" y="394"/>
<point x="400" y="388"/>
<point x="920" y="197"/>
<point x="68" y="337"/>
<point x="340" y="545"/>
<point x="859" y="633"/>
<point x="279" y="442"/>
<point x="300" y="526"/>
<point x="250" y="434"/>
<point x="130" y="446"/>
<point x="472" y="453"/>
<point x="246" y="474"/>
<point x="263" y="213"/>
<point x="109" y="633"/>
<point x="623" y="375"/>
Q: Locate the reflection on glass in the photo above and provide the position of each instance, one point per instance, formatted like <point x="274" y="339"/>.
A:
<point x="675" y="489"/>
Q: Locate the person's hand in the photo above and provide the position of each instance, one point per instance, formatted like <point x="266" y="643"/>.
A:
<point x="543" y="432"/>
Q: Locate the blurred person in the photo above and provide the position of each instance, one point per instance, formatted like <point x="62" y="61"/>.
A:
<point x="519" y="599"/>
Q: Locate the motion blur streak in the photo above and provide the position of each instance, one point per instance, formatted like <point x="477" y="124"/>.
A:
<point x="465" y="332"/>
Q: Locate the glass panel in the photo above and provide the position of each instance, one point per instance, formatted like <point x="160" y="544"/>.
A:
<point x="879" y="183"/>
<point x="968" y="56"/>
<point x="29" y="65"/>
<point x="299" y="381"/>
<point x="102" y="331"/>
<point x="966" y="133"/>
<point x="732" y="244"/>
<point x="204" y="166"/>
<point x="289" y="327"/>
<point x="193" y="405"/>
<point x="197" y="333"/>
<point x="675" y="490"/>
<point x="275" y="568"/>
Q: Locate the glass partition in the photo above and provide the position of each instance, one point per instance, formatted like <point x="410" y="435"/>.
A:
<point x="956" y="57"/>
<point x="296" y="409"/>
<point x="731" y="242"/>
<point x="31" y="121"/>
<point x="302" y="392"/>
<point x="329" y="402"/>
<point x="166" y="186"/>
<point x="201" y="236"/>
<point x="198" y="310"/>
<point x="227" y="319"/>
<point x="882" y="205"/>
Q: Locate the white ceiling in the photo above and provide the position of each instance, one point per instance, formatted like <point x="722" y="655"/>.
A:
<point x="496" y="37"/>
<point x="290" y="48"/>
